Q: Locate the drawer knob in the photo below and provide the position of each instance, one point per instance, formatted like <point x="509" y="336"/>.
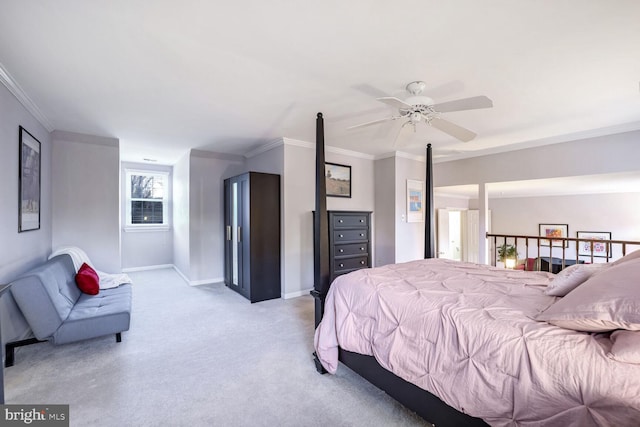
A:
<point x="362" y="220"/>
<point x="341" y="250"/>
<point x="340" y="220"/>
<point x="361" y="234"/>
<point x="341" y="265"/>
<point x="362" y="249"/>
<point x="340" y="235"/>
<point x="362" y="262"/>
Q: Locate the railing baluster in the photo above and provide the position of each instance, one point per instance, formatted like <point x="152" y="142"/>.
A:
<point x="609" y="248"/>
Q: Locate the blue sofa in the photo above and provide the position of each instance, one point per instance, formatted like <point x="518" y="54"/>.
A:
<point x="57" y="311"/>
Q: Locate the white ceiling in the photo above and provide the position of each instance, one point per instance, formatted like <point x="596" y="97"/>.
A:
<point x="166" y="76"/>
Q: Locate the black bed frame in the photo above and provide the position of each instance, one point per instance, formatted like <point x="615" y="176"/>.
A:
<point x="423" y="403"/>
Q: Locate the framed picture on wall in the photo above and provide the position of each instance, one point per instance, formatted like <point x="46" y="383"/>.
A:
<point x="554" y="230"/>
<point x="590" y="247"/>
<point x="28" y="182"/>
<point x="338" y="179"/>
<point x="415" y="201"/>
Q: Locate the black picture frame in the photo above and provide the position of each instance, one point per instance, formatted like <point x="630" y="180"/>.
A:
<point x="29" y="181"/>
<point x="338" y="179"/>
<point x="600" y="250"/>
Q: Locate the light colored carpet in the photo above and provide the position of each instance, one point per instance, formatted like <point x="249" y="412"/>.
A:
<point x="200" y="356"/>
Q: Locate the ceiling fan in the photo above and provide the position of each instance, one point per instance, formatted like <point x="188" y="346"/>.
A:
<point x="419" y="108"/>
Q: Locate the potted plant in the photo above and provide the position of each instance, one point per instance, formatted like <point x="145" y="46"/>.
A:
<point x="508" y="255"/>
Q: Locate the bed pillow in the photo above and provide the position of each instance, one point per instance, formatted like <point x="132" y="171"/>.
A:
<point x="626" y="346"/>
<point x="571" y="277"/>
<point x="608" y="300"/>
<point x="628" y="257"/>
<point x="87" y="280"/>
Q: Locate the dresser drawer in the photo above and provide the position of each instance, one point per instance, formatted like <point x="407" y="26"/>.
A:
<point x="351" y="249"/>
<point x="350" y="235"/>
<point x="351" y="263"/>
<point x="350" y="221"/>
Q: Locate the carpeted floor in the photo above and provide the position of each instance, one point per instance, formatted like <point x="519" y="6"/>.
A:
<point x="200" y="356"/>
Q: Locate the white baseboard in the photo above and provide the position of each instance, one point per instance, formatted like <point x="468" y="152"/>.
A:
<point x="197" y="282"/>
<point x="297" y="293"/>
<point x="148" y="267"/>
<point x="206" y="281"/>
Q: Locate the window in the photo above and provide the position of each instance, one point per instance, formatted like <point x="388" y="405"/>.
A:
<point x="147" y="199"/>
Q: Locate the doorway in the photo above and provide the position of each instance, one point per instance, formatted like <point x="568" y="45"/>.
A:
<point x="458" y="234"/>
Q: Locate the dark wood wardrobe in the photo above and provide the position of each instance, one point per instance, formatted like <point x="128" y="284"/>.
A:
<point x="252" y="235"/>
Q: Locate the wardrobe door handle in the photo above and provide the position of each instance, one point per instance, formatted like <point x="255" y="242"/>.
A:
<point x="228" y="232"/>
<point x="239" y="234"/>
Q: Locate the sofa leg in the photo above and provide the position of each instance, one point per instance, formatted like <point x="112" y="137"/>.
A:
<point x="118" y="337"/>
<point x="9" y="349"/>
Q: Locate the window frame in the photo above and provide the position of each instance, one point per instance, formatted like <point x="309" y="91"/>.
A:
<point x="166" y="200"/>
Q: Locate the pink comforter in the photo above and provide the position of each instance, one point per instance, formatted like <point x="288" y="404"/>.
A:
<point x="465" y="332"/>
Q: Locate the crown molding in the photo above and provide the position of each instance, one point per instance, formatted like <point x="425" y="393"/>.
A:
<point x="298" y="143"/>
<point x="23" y="98"/>
<point x="264" y="148"/>
<point x="59" y="135"/>
<point x="350" y="153"/>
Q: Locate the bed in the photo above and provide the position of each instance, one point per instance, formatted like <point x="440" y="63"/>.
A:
<point x="468" y="344"/>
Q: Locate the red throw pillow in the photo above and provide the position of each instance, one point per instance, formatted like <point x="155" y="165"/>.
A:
<point x="87" y="280"/>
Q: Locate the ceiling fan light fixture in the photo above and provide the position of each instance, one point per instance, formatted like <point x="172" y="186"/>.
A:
<point x="419" y="100"/>
<point x="416" y="88"/>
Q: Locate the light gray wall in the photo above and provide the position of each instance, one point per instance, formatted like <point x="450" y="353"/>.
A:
<point x="86" y="196"/>
<point x="272" y="161"/>
<point x="20" y="252"/>
<point x="299" y="203"/>
<point x="145" y="248"/>
<point x="615" y="213"/>
<point x="206" y="214"/>
<point x="181" y="212"/>
<point x="385" y="230"/>
<point x="409" y="235"/>
<point x="592" y="156"/>
<point x="398" y="240"/>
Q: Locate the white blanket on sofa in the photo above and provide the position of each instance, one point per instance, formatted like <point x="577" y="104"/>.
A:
<point x="107" y="280"/>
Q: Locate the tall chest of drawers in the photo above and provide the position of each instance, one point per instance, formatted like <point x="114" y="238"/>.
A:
<point x="349" y="241"/>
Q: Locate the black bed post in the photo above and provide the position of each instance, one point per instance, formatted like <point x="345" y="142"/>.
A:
<point x="320" y="227"/>
<point x="320" y="234"/>
<point x="430" y="220"/>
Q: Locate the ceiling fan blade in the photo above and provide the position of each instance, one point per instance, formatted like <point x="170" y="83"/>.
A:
<point x="372" y="122"/>
<point x="395" y="102"/>
<point x="464" y="104"/>
<point x="369" y="90"/>
<point x="400" y="133"/>
<point x="458" y="132"/>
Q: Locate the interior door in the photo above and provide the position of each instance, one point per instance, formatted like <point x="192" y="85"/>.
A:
<point x="443" y="233"/>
